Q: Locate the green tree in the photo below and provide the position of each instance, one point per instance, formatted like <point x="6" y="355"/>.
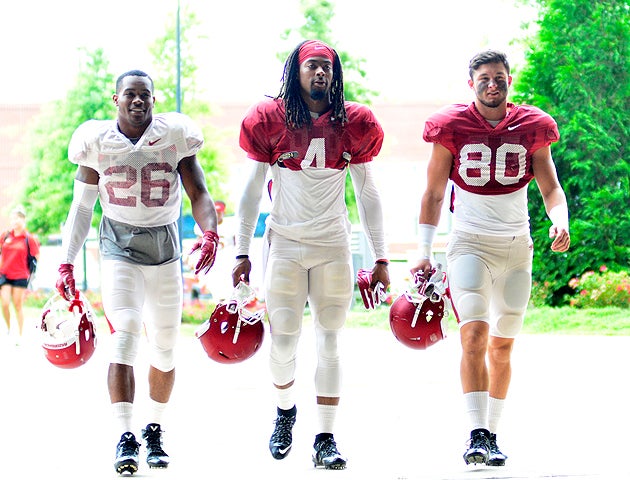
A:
<point x="164" y="51"/>
<point x="47" y="191"/>
<point x="577" y="70"/>
<point x="318" y="15"/>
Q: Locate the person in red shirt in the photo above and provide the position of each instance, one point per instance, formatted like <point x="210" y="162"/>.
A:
<point x="14" y="272"/>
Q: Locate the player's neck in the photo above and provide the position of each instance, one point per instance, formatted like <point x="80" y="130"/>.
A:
<point x="317" y="106"/>
<point x="130" y="131"/>
<point x="492" y="113"/>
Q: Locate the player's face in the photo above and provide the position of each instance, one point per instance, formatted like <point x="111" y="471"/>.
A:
<point x="490" y="83"/>
<point x="316" y="76"/>
<point x="17" y="221"/>
<point x="135" y="102"/>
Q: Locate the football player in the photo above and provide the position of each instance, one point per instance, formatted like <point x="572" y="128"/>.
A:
<point x="309" y="138"/>
<point x="135" y="165"/>
<point x="490" y="150"/>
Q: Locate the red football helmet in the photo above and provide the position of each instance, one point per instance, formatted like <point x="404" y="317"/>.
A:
<point x="68" y="331"/>
<point x="370" y="299"/>
<point x="418" y="317"/>
<point x="233" y="333"/>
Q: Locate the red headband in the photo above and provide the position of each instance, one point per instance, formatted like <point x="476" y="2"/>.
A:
<point x="315" y="48"/>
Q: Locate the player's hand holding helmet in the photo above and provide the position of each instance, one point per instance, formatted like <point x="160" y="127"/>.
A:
<point x="65" y="283"/>
<point x="418" y="317"/>
<point x="233" y="333"/>
<point x="207" y="245"/>
<point x="371" y="296"/>
<point x="68" y="331"/>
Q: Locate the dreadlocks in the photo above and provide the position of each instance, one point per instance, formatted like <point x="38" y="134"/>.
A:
<point x="296" y="110"/>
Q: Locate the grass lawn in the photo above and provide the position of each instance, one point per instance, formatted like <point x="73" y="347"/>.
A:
<point x="542" y="320"/>
<point x="548" y="320"/>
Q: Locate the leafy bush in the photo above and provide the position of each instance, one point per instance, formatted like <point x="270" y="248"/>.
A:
<point x="196" y="312"/>
<point x="602" y="289"/>
<point x="542" y="293"/>
<point x="577" y="70"/>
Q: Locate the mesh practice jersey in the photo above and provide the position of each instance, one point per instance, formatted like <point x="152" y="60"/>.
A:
<point x="492" y="166"/>
<point x="139" y="184"/>
<point x="308" y="167"/>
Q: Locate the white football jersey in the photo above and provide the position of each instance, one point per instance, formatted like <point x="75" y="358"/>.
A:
<point x="139" y="183"/>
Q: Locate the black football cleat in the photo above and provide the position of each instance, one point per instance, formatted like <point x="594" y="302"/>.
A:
<point x="156" y="456"/>
<point x="326" y="455"/>
<point x="496" y="458"/>
<point x="282" y="437"/>
<point x="478" y="447"/>
<point x="127" y="454"/>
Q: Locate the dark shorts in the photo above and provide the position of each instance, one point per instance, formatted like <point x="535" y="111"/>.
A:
<point x="20" y="282"/>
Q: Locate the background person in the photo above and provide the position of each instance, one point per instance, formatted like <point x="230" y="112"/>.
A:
<point x="14" y="271"/>
<point x="308" y="137"/>
<point x="491" y="150"/>
<point x="136" y="166"/>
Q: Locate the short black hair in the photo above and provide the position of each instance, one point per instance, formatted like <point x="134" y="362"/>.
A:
<point x="487" y="56"/>
<point x="132" y="73"/>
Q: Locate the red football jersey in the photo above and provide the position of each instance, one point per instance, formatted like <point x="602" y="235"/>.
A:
<point x="491" y="160"/>
<point x="265" y="138"/>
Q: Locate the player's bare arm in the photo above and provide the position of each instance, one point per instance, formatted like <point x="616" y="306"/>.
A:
<point x="438" y="171"/>
<point x="194" y="182"/>
<point x="87" y="175"/>
<point x="553" y="197"/>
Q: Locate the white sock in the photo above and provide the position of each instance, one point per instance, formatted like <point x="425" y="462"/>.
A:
<point x="495" y="408"/>
<point x="477" y="409"/>
<point x="123" y="414"/>
<point x="326" y="415"/>
<point x="285" y="398"/>
<point x="156" y="410"/>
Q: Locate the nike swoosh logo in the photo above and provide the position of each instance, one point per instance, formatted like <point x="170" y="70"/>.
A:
<point x="511" y="127"/>
<point x="284" y="450"/>
<point x="154" y="142"/>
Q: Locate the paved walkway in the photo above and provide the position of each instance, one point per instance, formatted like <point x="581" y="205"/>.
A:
<point x="401" y="416"/>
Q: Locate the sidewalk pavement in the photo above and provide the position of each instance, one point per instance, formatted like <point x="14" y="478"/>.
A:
<point x="401" y="415"/>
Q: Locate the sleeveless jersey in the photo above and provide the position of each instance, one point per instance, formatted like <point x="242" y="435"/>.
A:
<point x="492" y="166"/>
<point x="308" y="167"/>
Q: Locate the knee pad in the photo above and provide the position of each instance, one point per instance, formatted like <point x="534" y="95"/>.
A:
<point x="161" y="347"/>
<point x="471" y="306"/>
<point x="282" y="358"/>
<point x="330" y="294"/>
<point x="125" y="347"/>
<point x="328" y="372"/>
<point x="507" y="326"/>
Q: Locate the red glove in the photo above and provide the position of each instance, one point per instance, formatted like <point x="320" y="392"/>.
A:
<point x="372" y="297"/>
<point x="66" y="285"/>
<point x="208" y="245"/>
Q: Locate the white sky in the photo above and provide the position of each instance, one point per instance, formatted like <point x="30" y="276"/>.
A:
<point x="415" y="50"/>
